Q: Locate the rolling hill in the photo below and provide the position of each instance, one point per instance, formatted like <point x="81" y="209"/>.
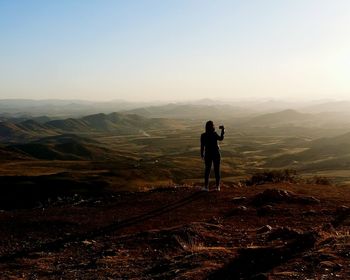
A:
<point x="329" y="149"/>
<point x="62" y="147"/>
<point x="68" y="125"/>
<point x="112" y="123"/>
<point x="115" y="123"/>
<point x="7" y="154"/>
<point x="285" y="117"/>
<point x="11" y="132"/>
<point x="24" y="131"/>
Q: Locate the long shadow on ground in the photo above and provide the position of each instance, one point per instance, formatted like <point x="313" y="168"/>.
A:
<point x="252" y="262"/>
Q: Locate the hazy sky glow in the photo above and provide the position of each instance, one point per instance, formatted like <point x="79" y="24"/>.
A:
<point x="174" y="49"/>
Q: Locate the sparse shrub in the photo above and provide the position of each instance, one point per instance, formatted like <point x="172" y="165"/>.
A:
<point x="273" y="176"/>
<point x="319" y="180"/>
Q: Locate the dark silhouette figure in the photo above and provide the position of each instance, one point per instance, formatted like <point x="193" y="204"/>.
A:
<point x="210" y="152"/>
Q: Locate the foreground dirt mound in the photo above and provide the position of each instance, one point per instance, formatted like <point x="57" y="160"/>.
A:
<point x="182" y="233"/>
<point x="277" y="196"/>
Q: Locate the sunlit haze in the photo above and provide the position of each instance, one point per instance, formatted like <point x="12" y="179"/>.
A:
<point x="174" y="50"/>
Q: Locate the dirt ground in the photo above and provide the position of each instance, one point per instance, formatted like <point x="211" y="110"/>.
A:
<point x="276" y="231"/>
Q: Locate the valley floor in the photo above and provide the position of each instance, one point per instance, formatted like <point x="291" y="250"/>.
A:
<point x="287" y="232"/>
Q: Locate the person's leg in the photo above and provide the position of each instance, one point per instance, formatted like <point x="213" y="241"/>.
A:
<point x="208" y="163"/>
<point x="217" y="171"/>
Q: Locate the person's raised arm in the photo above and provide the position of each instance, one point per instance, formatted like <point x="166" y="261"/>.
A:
<point x="221" y="136"/>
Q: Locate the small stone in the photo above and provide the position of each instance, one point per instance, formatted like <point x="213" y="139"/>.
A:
<point x="343" y="210"/>
<point x="310" y="213"/>
<point x="239" y="199"/>
<point x="109" y="253"/>
<point x="283" y="233"/>
<point x="264" y="229"/>
<point x="88" y="243"/>
<point x="331" y="266"/>
<point x="242" y="208"/>
<point x="328" y="257"/>
<point x="265" y="210"/>
<point x="237" y="210"/>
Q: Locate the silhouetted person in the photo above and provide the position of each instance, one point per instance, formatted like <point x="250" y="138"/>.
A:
<point x="210" y="152"/>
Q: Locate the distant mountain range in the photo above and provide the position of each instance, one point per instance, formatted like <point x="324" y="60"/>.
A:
<point x="168" y="116"/>
<point x="193" y="111"/>
<point x="197" y="109"/>
<point x="27" y="108"/>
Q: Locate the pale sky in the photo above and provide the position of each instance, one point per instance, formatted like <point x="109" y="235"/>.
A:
<point x="146" y="50"/>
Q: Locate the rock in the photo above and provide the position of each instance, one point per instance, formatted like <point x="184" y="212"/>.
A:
<point x="242" y="208"/>
<point x="264" y="229"/>
<point x="342" y="210"/>
<point x="88" y="243"/>
<point x="306" y="200"/>
<point x="239" y="199"/>
<point x="265" y="210"/>
<point x="237" y="210"/>
<point x="305" y="240"/>
<point x="271" y="196"/>
<point x="327" y="257"/>
<point x="109" y="253"/>
<point x="238" y="185"/>
<point x="286" y="274"/>
<point x="330" y="266"/>
<point x="310" y="213"/>
<point x="278" y="196"/>
<point x="283" y="233"/>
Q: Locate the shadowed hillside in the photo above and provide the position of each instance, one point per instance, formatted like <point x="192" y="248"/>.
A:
<point x="319" y="151"/>
<point x="63" y="147"/>
<point x="10" y="131"/>
<point x="115" y="123"/>
<point x="280" y="118"/>
<point x="23" y="131"/>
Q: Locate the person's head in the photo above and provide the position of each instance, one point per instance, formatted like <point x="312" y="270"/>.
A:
<point x="209" y="126"/>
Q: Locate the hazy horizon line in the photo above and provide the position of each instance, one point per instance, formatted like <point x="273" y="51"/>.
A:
<point x="218" y="100"/>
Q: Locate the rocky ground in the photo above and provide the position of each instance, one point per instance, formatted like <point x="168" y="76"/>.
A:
<point x="273" y="231"/>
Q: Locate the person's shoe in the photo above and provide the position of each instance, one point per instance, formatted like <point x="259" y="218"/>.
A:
<point x="205" y="189"/>
<point x="218" y="188"/>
